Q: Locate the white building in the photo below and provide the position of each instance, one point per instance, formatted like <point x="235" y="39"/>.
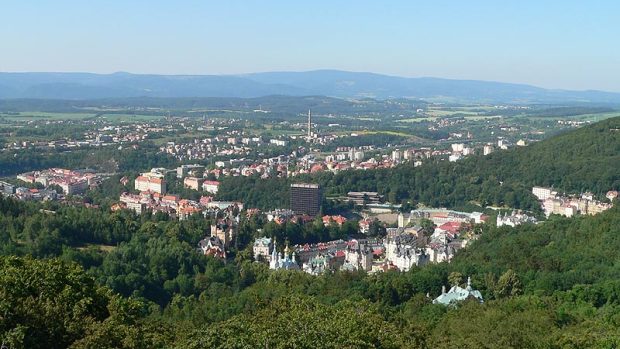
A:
<point x="211" y="186"/>
<point x="283" y="261"/>
<point x="488" y="149"/>
<point x="261" y="248"/>
<point x="514" y="219"/>
<point x="543" y="193"/>
<point x="458" y="147"/>
<point x="396" y="155"/>
<point x="402" y="252"/>
<point x="358" y="257"/>
<point x="150" y="182"/>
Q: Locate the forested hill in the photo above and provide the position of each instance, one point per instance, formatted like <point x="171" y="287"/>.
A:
<point x="577" y="161"/>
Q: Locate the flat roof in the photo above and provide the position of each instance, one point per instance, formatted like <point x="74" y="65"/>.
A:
<point x="304" y="185"/>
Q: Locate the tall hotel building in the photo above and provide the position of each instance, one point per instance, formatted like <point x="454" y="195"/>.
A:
<point x="306" y="198"/>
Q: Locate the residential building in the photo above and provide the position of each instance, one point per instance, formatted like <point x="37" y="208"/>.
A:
<point x="193" y="183"/>
<point x="150" y="182"/>
<point x="514" y="219"/>
<point x="543" y="193"/>
<point x="211" y="186"/>
<point x="262" y="247"/>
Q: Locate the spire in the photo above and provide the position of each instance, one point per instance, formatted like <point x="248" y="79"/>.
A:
<point x="469" y="283"/>
<point x="309" y="124"/>
<point x="443" y="289"/>
<point x="274" y="253"/>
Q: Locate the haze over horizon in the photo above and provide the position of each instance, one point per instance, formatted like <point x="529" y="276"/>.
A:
<point x="558" y="45"/>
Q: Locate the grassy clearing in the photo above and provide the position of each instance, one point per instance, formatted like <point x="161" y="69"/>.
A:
<point x="481" y="117"/>
<point x="410" y="137"/>
<point x="438" y="112"/>
<point x="584" y="117"/>
<point x="100" y="247"/>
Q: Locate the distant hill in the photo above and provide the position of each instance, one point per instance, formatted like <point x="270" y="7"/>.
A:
<point x="321" y="82"/>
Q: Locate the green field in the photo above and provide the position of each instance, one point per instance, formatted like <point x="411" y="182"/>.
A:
<point x="429" y="118"/>
<point x="583" y="117"/>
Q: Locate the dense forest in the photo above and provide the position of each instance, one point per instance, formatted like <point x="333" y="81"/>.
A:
<point x="547" y="285"/>
<point x="583" y="160"/>
<point x="103" y="159"/>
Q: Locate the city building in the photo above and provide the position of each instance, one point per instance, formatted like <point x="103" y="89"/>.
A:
<point x="261" y="249"/>
<point x="514" y="219"/>
<point x="193" y="170"/>
<point x="358" y="256"/>
<point x="212" y="246"/>
<point x="193" y="183"/>
<point x="306" y="198"/>
<point x="458" y="294"/>
<point x="150" y="182"/>
<point x="402" y="252"/>
<point x="543" y="193"/>
<point x="211" y="186"/>
<point x="364" y="197"/>
<point x="487" y="149"/>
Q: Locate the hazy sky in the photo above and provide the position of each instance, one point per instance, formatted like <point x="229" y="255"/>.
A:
<point x="558" y="44"/>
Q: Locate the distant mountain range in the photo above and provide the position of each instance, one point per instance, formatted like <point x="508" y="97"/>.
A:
<point x="332" y="83"/>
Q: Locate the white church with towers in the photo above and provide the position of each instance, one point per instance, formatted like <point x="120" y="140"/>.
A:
<point x="282" y="261"/>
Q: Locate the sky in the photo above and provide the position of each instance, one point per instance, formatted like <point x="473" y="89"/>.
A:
<point x="555" y="44"/>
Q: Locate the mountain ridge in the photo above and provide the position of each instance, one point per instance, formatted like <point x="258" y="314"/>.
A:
<point x="332" y="83"/>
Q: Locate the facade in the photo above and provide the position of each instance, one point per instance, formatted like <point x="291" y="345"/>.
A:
<point x="150" y="182"/>
<point x="193" y="183"/>
<point x="212" y="246"/>
<point x="364" y="197"/>
<point x="514" y="219"/>
<point x="358" y="256"/>
<point x="223" y="231"/>
<point x="261" y="248"/>
<point x="306" y="198"/>
<point x="402" y="252"/>
<point x="488" y="149"/>
<point x="194" y="170"/>
<point x="211" y="186"/>
<point x="318" y="265"/>
<point x="542" y="193"/>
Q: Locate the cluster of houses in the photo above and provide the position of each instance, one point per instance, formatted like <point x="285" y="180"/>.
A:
<point x="104" y="136"/>
<point x="569" y="205"/>
<point x="172" y="205"/>
<point x="403" y="248"/>
<point x="70" y="181"/>
<point x="515" y="218"/>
